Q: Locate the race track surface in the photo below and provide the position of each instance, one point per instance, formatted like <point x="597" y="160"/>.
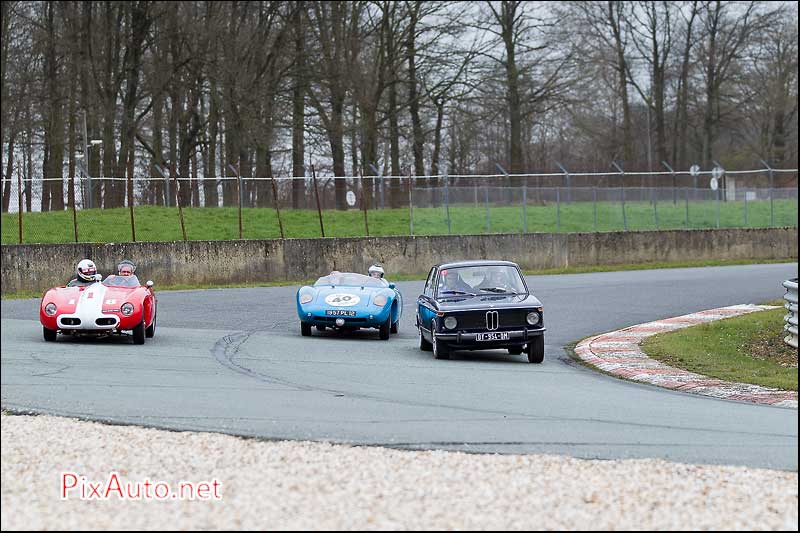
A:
<point x="233" y="361"/>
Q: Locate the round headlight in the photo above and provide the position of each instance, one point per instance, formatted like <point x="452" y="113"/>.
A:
<point x="379" y="300"/>
<point x="305" y="298"/>
<point x="450" y="322"/>
<point x="533" y="318"/>
<point x="126" y="309"/>
<point x="50" y="309"/>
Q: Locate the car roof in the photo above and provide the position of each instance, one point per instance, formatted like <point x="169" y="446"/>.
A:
<point x="480" y="262"/>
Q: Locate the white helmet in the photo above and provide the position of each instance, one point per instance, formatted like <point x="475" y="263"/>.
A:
<point x="86" y="270"/>
<point x="376" y="269"/>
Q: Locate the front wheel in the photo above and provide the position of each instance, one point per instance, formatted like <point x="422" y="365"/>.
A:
<point x="50" y="335"/>
<point x="139" y="333"/>
<point x="305" y="329"/>
<point x="395" y="326"/>
<point x="424" y="345"/>
<point x="386" y="328"/>
<point x="535" y="349"/>
<point x="150" y="332"/>
<point x="440" y="350"/>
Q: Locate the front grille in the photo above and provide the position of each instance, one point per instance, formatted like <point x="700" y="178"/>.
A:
<point x="347" y="320"/>
<point x="509" y="318"/>
<point x="105" y="321"/>
<point x="71" y="321"/>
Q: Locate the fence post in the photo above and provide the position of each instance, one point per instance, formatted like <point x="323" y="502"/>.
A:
<point x="74" y="212"/>
<point x="316" y="193"/>
<point x="525" y="206"/>
<point x="410" y="208"/>
<point x="567" y="180"/>
<point x="130" y="197"/>
<point x="447" y="202"/>
<point x="241" y="199"/>
<point x="745" y="208"/>
<point x="363" y="204"/>
<point x="486" y="202"/>
<point x="277" y="208"/>
<point x="686" y="197"/>
<point x="622" y="183"/>
<point x="718" y="196"/>
<point x="674" y="183"/>
<point x="654" y="196"/>
<point x="594" y="206"/>
<point x="19" y="202"/>
<point x="771" y="198"/>
<point x="558" y="210"/>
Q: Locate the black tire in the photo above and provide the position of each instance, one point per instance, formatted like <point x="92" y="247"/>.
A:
<point x="395" y="326"/>
<point x="536" y="350"/>
<point x="515" y="350"/>
<point x="139" y="333"/>
<point x="150" y="332"/>
<point x="50" y="335"/>
<point x="305" y="329"/>
<point x="424" y="345"/>
<point x="440" y="351"/>
<point x="386" y="328"/>
<point x="321" y="328"/>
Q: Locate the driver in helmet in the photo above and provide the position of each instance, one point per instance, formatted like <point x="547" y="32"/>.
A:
<point x="376" y="271"/>
<point x="86" y="274"/>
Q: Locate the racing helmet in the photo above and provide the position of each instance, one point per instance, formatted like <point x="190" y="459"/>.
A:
<point x="376" y="271"/>
<point x="86" y="270"/>
<point x="126" y="268"/>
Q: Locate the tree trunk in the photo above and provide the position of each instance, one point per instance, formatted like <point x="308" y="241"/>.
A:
<point x="418" y="137"/>
<point x="298" y="108"/>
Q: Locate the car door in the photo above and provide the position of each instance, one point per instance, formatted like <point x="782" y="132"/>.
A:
<point x="425" y="303"/>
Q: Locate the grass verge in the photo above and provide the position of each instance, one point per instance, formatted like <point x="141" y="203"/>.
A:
<point x="421" y="276"/>
<point x="745" y="349"/>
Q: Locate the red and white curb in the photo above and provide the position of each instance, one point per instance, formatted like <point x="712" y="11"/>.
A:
<point x="618" y="353"/>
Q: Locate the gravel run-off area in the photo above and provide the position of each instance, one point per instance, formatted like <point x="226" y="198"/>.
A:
<point x="308" y="485"/>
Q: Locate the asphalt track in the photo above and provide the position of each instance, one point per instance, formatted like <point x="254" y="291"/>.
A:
<point x="233" y="360"/>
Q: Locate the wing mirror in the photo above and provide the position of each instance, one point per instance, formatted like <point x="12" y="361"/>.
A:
<point x="149" y="284"/>
<point x="391" y="285"/>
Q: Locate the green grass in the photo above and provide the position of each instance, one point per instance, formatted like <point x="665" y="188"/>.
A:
<point x="163" y="224"/>
<point x="724" y="349"/>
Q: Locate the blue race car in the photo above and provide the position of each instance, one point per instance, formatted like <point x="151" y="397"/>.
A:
<point x="346" y="301"/>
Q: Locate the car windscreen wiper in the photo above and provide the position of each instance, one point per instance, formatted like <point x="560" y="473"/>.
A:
<point x="458" y="292"/>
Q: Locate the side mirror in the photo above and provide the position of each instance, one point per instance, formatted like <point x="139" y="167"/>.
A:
<point x="149" y="284"/>
<point x="392" y="285"/>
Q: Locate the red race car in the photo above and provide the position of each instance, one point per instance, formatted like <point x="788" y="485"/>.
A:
<point x="113" y="306"/>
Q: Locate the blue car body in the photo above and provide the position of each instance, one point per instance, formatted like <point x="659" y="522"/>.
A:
<point x="348" y="301"/>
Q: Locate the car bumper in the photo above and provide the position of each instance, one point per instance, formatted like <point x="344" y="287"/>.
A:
<point x="467" y="339"/>
<point x="362" y="319"/>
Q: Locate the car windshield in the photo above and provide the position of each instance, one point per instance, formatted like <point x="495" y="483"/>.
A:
<point x="350" y="279"/>
<point x="475" y="280"/>
<point x="121" y="281"/>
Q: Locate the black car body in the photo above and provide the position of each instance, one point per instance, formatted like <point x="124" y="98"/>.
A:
<point x="459" y="310"/>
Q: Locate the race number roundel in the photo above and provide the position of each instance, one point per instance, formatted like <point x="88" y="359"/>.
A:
<point x="342" y="300"/>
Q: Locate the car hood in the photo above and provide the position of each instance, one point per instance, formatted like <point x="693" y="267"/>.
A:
<point x="483" y="301"/>
<point x="364" y="294"/>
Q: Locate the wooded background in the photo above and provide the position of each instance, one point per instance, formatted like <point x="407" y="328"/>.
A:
<point x="407" y="88"/>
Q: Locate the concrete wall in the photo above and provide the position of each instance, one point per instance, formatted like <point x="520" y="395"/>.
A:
<point x="38" y="267"/>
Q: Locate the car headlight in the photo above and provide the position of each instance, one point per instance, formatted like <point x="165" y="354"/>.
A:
<point x="50" y="309"/>
<point x="305" y="298"/>
<point x="533" y="318"/>
<point x="126" y="309"/>
<point x="379" y="300"/>
<point x="450" y="322"/>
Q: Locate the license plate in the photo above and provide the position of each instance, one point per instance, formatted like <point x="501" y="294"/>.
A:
<point x="339" y="312"/>
<point x="500" y="336"/>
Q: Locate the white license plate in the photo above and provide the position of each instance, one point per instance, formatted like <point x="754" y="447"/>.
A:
<point x="500" y="336"/>
<point x="339" y="312"/>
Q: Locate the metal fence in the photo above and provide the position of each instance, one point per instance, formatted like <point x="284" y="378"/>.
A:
<point x="791" y="318"/>
<point x="153" y="209"/>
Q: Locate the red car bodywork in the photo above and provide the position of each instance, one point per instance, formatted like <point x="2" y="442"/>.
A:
<point x="96" y="309"/>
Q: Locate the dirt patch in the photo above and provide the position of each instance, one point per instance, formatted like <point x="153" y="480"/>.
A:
<point x="771" y="347"/>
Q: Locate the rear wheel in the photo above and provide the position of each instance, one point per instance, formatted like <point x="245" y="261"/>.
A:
<point x="139" y="333"/>
<point x="440" y="350"/>
<point x="386" y="328"/>
<point x="49" y="335"/>
<point x="536" y="349"/>
<point x="395" y="326"/>
<point x="305" y="329"/>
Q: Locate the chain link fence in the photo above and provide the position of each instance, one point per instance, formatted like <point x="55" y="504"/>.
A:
<point x="168" y="209"/>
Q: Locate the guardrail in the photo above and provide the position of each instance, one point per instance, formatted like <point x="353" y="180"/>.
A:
<point x="791" y="317"/>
